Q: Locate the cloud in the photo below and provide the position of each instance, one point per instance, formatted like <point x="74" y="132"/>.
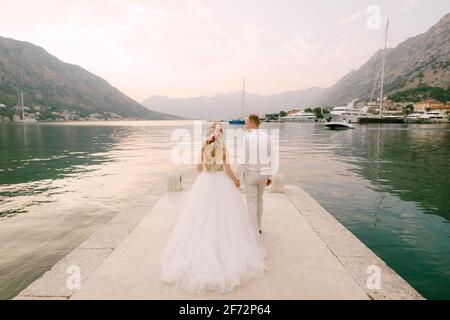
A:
<point x="190" y="47"/>
<point x="406" y="4"/>
<point x="199" y="10"/>
<point x="300" y="50"/>
<point x="352" y="17"/>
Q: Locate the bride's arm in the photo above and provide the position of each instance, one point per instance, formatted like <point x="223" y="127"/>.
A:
<point x="200" y="162"/>
<point x="230" y="172"/>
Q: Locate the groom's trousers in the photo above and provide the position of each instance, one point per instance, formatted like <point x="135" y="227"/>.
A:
<point x="254" y="188"/>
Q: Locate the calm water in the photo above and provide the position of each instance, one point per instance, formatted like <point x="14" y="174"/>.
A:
<point x="389" y="184"/>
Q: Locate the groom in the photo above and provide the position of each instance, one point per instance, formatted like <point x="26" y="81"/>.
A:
<point x="256" y="169"/>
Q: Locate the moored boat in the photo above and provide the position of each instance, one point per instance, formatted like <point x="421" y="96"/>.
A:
<point x="349" y="113"/>
<point x="413" y="117"/>
<point x="434" y="117"/>
<point x="240" y="121"/>
<point x="237" y="122"/>
<point x="19" y="115"/>
<point x="341" y="125"/>
<point x="300" y="117"/>
<point x="381" y="119"/>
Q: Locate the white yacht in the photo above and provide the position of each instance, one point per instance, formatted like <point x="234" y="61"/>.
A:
<point x="338" y="125"/>
<point x="300" y="117"/>
<point x="353" y="115"/>
<point x="413" y="117"/>
<point x="434" y="117"/>
<point x="338" y="111"/>
<point x="349" y="113"/>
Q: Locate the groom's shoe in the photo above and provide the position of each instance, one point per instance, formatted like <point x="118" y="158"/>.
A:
<point x="260" y="232"/>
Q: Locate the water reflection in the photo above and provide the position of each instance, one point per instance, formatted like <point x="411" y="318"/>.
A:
<point x="410" y="162"/>
<point x="59" y="183"/>
<point x="34" y="158"/>
<point x="388" y="184"/>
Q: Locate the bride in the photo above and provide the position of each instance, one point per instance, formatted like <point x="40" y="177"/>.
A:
<point x="214" y="245"/>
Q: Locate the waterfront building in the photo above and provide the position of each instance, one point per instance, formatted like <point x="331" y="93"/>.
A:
<point x="426" y="105"/>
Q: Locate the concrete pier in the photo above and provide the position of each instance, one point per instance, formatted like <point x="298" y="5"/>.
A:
<point x="311" y="256"/>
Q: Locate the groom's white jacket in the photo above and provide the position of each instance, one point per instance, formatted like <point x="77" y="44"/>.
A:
<point x="257" y="146"/>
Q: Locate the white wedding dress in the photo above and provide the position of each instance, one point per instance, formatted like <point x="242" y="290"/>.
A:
<point x="214" y="245"/>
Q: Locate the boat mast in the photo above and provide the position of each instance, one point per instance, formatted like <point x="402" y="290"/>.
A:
<point x="22" y="107"/>
<point x="243" y="98"/>
<point x="382" y="67"/>
<point x="17" y="112"/>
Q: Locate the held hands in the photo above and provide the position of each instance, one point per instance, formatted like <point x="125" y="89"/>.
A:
<point x="237" y="183"/>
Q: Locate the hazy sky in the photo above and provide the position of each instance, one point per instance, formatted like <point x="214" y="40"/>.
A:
<point x="199" y="47"/>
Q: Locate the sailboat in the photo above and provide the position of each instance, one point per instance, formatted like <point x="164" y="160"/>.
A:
<point x="240" y="121"/>
<point x="381" y="118"/>
<point x="19" y="115"/>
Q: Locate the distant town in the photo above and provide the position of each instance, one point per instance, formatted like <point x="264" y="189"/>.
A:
<point x="45" y="113"/>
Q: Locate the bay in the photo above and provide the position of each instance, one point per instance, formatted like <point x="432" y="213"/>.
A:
<point x="388" y="184"/>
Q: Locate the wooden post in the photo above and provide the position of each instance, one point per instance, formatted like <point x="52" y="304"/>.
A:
<point x="277" y="184"/>
<point x="174" y="182"/>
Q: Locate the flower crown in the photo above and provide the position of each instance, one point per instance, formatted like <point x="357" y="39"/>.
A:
<point x="215" y="134"/>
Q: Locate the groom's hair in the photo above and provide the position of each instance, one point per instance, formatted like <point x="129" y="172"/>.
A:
<point x="255" y="119"/>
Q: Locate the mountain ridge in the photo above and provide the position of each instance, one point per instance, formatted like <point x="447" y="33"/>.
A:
<point x="418" y="61"/>
<point x="229" y="105"/>
<point x="48" y="81"/>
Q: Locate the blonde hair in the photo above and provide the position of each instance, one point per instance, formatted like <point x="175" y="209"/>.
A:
<point x="255" y="119"/>
<point x="213" y="149"/>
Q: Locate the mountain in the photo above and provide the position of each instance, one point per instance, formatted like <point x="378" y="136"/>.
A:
<point x="226" y="106"/>
<point x="418" y="62"/>
<point x="50" y="82"/>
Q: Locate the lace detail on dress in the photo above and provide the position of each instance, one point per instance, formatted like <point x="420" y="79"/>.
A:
<point x="213" y="156"/>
